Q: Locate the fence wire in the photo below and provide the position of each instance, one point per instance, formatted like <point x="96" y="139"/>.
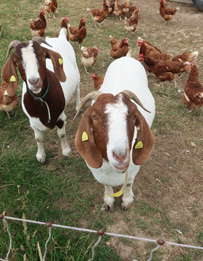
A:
<point x="100" y="233"/>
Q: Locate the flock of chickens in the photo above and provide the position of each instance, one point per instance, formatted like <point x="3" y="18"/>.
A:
<point x="164" y="66"/>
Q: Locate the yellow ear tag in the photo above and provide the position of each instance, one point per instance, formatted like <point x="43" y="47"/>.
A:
<point x="139" y="145"/>
<point x="13" y="78"/>
<point x="84" y="136"/>
<point x="60" y="61"/>
<point x="120" y="192"/>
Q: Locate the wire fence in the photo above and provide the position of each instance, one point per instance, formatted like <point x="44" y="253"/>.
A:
<point x="101" y="233"/>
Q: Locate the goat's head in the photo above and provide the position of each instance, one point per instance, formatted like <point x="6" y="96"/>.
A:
<point x="107" y="129"/>
<point x="30" y="58"/>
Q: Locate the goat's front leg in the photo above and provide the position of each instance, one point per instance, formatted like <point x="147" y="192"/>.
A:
<point x="64" y="145"/>
<point x="108" y="200"/>
<point x="41" y="156"/>
<point x="128" y="197"/>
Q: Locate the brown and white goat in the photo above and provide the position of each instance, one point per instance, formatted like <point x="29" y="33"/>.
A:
<point x="48" y="84"/>
<point x="114" y="135"/>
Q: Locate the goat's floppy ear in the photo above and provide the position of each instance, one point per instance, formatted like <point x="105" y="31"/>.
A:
<point x="9" y="75"/>
<point x="57" y="61"/>
<point x="85" y="143"/>
<point x="144" y="143"/>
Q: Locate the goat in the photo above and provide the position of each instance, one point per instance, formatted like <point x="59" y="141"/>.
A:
<point x="48" y="84"/>
<point x="114" y="135"/>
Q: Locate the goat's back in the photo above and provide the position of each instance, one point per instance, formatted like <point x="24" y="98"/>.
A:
<point x="127" y="73"/>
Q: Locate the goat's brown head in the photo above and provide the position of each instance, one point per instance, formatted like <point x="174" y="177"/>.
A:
<point x="30" y="58"/>
<point x="109" y="129"/>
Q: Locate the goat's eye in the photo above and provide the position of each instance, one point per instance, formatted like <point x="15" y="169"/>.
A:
<point x="95" y="117"/>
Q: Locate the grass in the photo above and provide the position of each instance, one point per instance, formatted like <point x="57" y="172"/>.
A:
<point x="167" y="189"/>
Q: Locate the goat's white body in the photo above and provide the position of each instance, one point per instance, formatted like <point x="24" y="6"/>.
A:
<point x="123" y="74"/>
<point x="69" y="87"/>
<point x="127" y="73"/>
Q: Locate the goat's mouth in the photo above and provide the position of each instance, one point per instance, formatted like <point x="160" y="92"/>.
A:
<point x="36" y="89"/>
<point x="121" y="167"/>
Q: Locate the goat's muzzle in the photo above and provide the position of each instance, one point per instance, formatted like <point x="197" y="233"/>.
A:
<point x="122" y="159"/>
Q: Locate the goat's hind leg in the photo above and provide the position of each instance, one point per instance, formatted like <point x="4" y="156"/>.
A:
<point x="61" y="131"/>
<point x="41" y="156"/>
<point x="108" y="200"/>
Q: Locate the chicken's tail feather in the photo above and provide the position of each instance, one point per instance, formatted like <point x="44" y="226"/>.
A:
<point x="194" y="54"/>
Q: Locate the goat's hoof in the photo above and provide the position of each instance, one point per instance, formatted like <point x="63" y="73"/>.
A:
<point x="66" y="152"/>
<point x="109" y="208"/>
<point x="41" y="159"/>
<point x="125" y="207"/>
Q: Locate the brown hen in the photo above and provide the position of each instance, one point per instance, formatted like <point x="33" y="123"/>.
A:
<point x="193" y="90"/>
<point x="8" y="99"/>
<point x="98" y="80"/>
<point x="88" y="56"/>
<point x="167" y="13"/>
<point x="131" y="23"/>
<point x="78" y="33"/>
<point x="118" y="48"/>
<point x="37" y="27"/>
<point x="51" y="6"/>
<point x="99" y="15"/>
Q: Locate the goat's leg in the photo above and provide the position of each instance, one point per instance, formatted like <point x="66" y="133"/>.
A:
<point x="128" y="197"/>
<point x="64" y="145"/>
<point x="108" y="200"/>
<point x="41" y="156"/>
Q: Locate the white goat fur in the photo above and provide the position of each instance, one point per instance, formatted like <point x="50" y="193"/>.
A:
<point x="70" y="86"/>
<point x="123" y="74"/>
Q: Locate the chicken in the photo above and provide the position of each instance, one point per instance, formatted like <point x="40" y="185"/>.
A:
<point x="131" y="23"/>
<point x="50" y="6"/>
<point x="99" y="15"/>
<point x="77" y="33"/>
<point x="64" y="25"/>
<point x="167" y="13"/>
<point x="193" y="89"/>
<point x="163" y="69"/>
<point x="88" y="56"/>
<point x="147" y="48"/>
<point x="132" y="8"/>
<point x="8" y="99"/>
<point x="111" y="4"/>
<point x="186" y="57"/>
<point x="118" y="48"/>
<point x="128" y="7"/>
<point x="118" y="10"/>
<point x="98" y="80"/>
<point x="37" y="28"/>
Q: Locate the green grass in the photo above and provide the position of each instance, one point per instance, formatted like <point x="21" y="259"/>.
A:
<point x="167" y="188"/>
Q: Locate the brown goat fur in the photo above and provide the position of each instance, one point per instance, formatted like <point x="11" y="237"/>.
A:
<point x="54" y="98"/>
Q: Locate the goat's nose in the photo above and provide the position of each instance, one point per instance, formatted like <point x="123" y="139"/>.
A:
<point x="34" y="81"/>
<point x="120" y="157"/>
